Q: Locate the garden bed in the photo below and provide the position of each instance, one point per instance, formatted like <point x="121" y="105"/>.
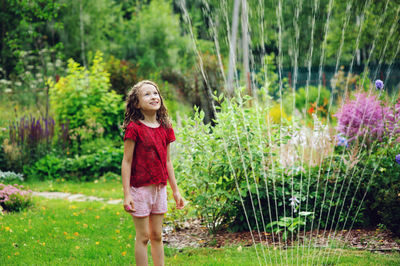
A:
<point x="192" y="233"/>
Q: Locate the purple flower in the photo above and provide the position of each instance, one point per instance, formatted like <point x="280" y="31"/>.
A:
<point x="342" y="141"/>
<point x="366" y="116"/>
<point x="379" y="84"/>
<point x="398" y="158"/>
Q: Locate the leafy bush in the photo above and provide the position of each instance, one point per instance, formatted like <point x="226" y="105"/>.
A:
<point x="123" y="75"/>
<point x="13" y="198"/>
<point x="9" y="177"/>
<point x="389" y="207"/>
<point x="79" y="168"/>
<point x="288" y="225"/>
<point x="211" y="164"/>
<point x="382" y="199"/>
<point x="47" y="168"/>
<point x="84" y="99"/>
<point x="238" y="164"/>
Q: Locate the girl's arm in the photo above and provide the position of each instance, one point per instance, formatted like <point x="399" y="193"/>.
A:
<point x="172" y="182"/>
<point x="129" y="147"/>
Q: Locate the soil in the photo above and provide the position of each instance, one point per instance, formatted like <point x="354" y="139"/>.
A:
<point x="193" y="234"/>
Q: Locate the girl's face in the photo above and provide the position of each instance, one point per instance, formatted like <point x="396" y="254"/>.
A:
<point x="149" y="98"/>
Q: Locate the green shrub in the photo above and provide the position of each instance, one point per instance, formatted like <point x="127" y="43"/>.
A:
<point x="85" y="100"/>
<point x="383" y="197"/>
<point x="389" y="207"/>
<point x="47" y="168"/>
<point x="123" y="75"/>
<point x="13" y="198"/>
<point x="79" y="168"/>
<point x="209" y="161"/>
<point x="235" y="169"/>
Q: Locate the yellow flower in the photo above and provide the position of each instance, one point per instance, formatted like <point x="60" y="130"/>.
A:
<point x="97" y="217"/>
<point x="43" y="244"/>
<point x="65" y="233"/>
<point x="16" y="253"/>
<point x="96" y="181"/>
<point x="117" y="231"/>
<point x="85" y="225"/>
<point x="97" y="242"/>
<point x="117" y="213"/>
<point x="72" y="206"/>
<point x="7" y="228"/>
<point x="123" y="253"/>
<point x="77" y="247"/>
<point x="75" y="214"/>
<point x="76" y="233"/>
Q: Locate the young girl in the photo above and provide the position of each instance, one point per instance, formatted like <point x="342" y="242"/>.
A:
<point x="146" y="167"/>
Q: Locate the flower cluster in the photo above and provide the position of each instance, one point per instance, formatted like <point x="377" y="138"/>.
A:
<point x="31" y="130"/>
<point x="13" y="198"/>
<point x="8" y="177"/>
<point x="367" y="116"/>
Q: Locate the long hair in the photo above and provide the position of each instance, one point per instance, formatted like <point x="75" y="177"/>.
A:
<point x="134" y="114"/>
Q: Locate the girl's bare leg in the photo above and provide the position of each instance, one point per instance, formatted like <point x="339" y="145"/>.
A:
<point x="142" y="238"/>
<point x="157" y="248"/>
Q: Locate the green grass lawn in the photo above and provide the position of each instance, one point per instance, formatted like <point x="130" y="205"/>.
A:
<point x="55" y="232"/>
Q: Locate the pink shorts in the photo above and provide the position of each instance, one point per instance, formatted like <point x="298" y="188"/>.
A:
<point x="149" y="200"/>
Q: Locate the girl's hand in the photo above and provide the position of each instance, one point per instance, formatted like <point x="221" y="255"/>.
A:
<point x="129" y="206"/>
<point x="179" y="201"/>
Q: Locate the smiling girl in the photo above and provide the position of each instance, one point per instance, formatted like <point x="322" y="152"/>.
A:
<point x="146" y="168"/>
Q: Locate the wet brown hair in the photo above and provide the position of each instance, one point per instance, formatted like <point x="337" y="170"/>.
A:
<point x="134" y="114"/>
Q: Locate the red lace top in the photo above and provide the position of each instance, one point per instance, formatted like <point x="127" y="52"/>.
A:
<point x="149" y="162"/>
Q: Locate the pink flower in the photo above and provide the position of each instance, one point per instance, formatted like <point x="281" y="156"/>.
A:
<point x="366" y="115"/>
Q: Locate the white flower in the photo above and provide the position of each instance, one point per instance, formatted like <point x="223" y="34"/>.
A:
<point x="294" y="202"/>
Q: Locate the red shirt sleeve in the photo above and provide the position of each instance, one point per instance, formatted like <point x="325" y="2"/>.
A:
<point x="131" y="132"/>
<point x="170" y="135"/>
